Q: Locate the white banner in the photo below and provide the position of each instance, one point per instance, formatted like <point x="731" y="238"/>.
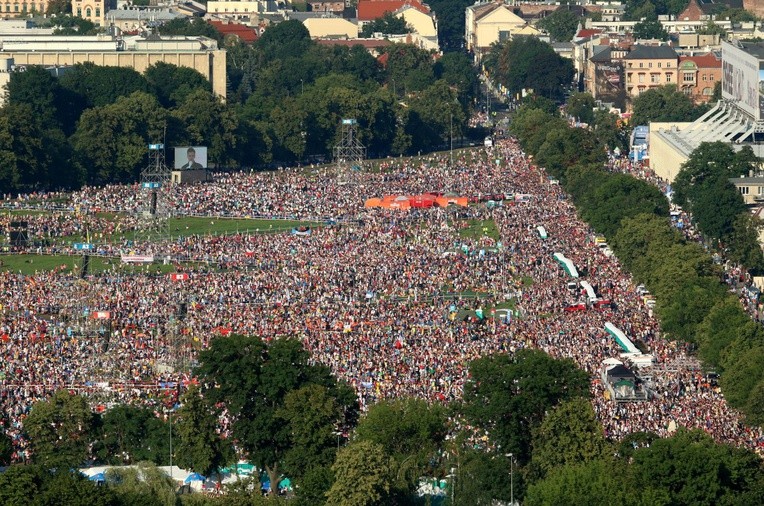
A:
<point x="137" y="259"/>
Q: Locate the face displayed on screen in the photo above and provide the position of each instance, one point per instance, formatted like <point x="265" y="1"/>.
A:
<point x="191" y="157"/>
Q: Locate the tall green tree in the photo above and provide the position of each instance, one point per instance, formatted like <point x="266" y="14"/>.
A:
<point x="388" y="24"/>
<point x="509" y="395"/>
<point x="111" y="142"/>
<point x="172" y="84"/>
<point x="528" y="63"/>
<point x="199" y="445"/>
<point x="569" y="434"/>
<point x="581" y="106"/>
<point x="410" y="431"/>
<point x="650" y="29"/>
<point x="682" y="313"/>
<point x="560" y="25"/>
<point x="251" y="380"/>
<point x="664" y="103"/>
<point x="60" y="430"/>
<point x="209" y="122"/>
<point x="100" y="85"/>
<point x="363" y="476"/>
<point x="129" y="434"/>
<point x="315" y="420"/>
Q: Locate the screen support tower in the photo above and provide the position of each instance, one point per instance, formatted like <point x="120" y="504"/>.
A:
<point x="155" y="209"/>
<point x="349" y="153"/>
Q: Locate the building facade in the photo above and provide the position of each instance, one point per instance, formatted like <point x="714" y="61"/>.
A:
<point x="698" y="76"/>
<point x="91" y="10"/>
<point x="488" y="23"/>
<point x="199" y="53"/>
<point x="650" y="67"/>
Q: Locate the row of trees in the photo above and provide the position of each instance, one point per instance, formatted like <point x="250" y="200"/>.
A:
<point x="288" y="95"/>
<point x="532" y="433"/>
<point x="692" y="304"/>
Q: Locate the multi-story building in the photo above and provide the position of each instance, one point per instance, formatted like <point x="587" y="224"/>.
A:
<point x="650" y="67"/>
<point x="91" y="10"/>
<point x="197" y="52"/>
<point x="698" y="76"/>
<point x="488" y="23"/>
<point x="14" y="8"/>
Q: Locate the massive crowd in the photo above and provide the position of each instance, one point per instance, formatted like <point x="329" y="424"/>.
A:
<point x="378" y="296"/>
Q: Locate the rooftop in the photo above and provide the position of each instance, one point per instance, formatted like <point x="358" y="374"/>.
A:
<point x="651" y="53"/>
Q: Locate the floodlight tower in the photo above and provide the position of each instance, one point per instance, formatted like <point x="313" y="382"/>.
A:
<point x="349" y="152"/>
<point x="155" y="209"/>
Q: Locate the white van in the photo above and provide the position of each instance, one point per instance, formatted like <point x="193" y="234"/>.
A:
<point x="488" y="142"/>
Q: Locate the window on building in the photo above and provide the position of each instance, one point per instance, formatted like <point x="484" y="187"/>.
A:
<point x="79" y="11"/>
<point x="711" y="77"/>
<point x="7" y="7"/>
<point x="641" y="64"/>
<point x="630" y="64"/>
<point x="88" y="12"/>
<point x="707" y="92"/>
<point x="641" y="78"/>
<point x="688" y="77"/>
<point x="16" y="8"/>
<point x="687" y="90"/>
<point x="668" y="77"/>
<point x="705" y="77"/>
<point x="761" y="190"/>
<point x="628" y="78"/>
<point x="98" y="12"/>
<point x="744" y="190"/>
<point x="655" y="78"/>
<point x="503" y="35"/>
<point x="650" y="64"/>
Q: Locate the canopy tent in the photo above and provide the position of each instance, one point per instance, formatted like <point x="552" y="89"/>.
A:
<point x="566" y="264"/>
<point x="447" y="200"/>
<point x="98" y="477"/>
<point x="194" y="477"/>
<point x="373" y="202"/>
<point x="623" y="341"/>
<point x="542" y="232"/>
<point x="424" y="201"/>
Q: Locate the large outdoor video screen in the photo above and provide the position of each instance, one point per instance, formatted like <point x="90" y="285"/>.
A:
<point x="740" y="79"/>
<point x="190" y="157"/>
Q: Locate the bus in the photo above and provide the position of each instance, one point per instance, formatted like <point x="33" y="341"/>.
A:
<point x="591" y="295"/>
<point x="566" y="264"/>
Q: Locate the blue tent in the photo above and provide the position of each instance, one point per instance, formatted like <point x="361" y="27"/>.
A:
<point x="98" y="477"/>
<point x="194" y="477"/>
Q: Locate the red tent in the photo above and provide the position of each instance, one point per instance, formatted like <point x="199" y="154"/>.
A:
<point x="423" y="201"/>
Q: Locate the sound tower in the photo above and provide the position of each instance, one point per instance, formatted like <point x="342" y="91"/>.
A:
<point x="85" y="266"/>
<point x="18" y="232"/>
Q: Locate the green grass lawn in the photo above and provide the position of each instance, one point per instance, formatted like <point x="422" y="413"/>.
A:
<point x="29" y="264"/>
<point x="477" y="229"/>
<point x="186" y="226"/>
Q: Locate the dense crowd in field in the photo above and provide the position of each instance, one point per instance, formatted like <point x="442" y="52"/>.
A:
<point x="380" y="296"/>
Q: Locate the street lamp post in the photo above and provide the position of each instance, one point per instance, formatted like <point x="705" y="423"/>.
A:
<point x="302" y="86"/>
<point x="511" y="478"/>
<point x="451" y="137"/>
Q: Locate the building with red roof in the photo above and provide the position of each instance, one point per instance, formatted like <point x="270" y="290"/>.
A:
<point x="242" y="32"/>
<point x="369" y="10"/>
<point x="698" y="76"/>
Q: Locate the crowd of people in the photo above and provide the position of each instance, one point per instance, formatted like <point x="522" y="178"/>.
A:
<point x="378" y="295"/>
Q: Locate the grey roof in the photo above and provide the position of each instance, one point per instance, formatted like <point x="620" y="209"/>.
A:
<point x="747" y="180"/>
<point x="754" y="48"/>
<point x="302" y="16"/>
<point x="651" y="53"/>
<point x="601" y="55"/>
<point x="152" y="15"/>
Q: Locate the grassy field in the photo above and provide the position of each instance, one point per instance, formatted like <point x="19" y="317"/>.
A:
<point x="29" y="264"/>
<point x="477" y="229"/>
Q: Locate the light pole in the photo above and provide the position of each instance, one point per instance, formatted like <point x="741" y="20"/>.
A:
<point x="451" y="137"/>
<point x="511" y="478"/>
<point x="302" y="86"/>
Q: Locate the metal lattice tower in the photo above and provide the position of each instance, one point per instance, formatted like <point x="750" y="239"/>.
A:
<point x="349" y="152"/>
<point x="155" y="209"/>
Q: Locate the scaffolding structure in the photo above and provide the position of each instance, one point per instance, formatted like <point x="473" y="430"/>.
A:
<point x="155" y="208"/>
<point x="349" y="153"/>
